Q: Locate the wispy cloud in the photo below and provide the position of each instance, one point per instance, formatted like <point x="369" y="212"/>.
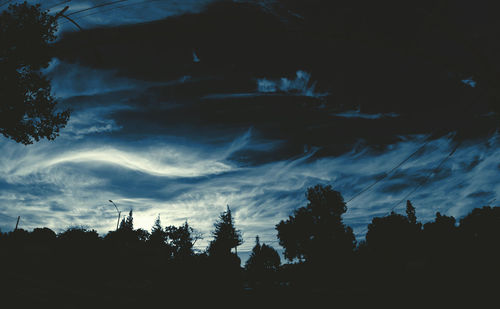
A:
<point x="47" y="186"/>
<point x="71" y="79"/>
<point x="358" y="114"/>
<point x="301" y="85"/>
<point x="190" y="177"/>
<point x="92" y="13"/>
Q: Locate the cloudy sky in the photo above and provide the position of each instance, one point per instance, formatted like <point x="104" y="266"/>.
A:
<point x="180" y="108"/>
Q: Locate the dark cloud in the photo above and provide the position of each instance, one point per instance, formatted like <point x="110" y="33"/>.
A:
<point x="471" y="165"/>
<point x="56" y="207"/>
<point x="397" y="187"/>
<point x="381" y="79"/>
<point x="481" y="195"/>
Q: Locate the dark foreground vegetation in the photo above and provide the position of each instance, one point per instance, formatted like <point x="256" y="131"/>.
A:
<point x="402" y="262"/>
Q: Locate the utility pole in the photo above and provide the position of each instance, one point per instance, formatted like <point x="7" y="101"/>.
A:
<point x="119" y="213"/>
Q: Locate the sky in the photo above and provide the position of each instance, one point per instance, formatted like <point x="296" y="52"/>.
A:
<point x="174" y="113"/>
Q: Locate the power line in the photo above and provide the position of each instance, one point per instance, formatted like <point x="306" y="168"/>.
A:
<point x="61" y="14"/>
<point x="438" y="167"/>
<point x="6" y="2"/>
<point x="96" y="6"/>
<point x="436" y="170"/>
<point x="428" y="176"/>
<point x="389" y="172"/>
<point x="113" y="8"/>
<point x="56" y="5"/>
<point x="4" y="215"/>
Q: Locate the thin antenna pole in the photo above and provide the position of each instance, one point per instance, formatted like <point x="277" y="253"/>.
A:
<point x="17" y="223"/>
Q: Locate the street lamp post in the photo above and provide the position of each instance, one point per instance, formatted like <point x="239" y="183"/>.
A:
<point x="119" y="213"/>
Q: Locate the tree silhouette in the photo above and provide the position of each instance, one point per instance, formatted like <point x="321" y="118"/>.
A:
<point x="225" y="270"/>
<point x="411" y="213"/>
<point x="394" y="232"/>
<point x="455" y="260"/>
<point x="142" y="235"/>
<point x="226" y="236"/>
<point x="78" y="236"/>
<point x="263" y="258"/>
<point x="262" y="264"/>
<point x="126" y="233"/>
<point x="395" y="253"/>
<point x="441" y="232"/>
<point x="390" y="234"/>
<point x="43" y="235"/>
<point x="158" y="236"/>
<point x="127" y="223"/>
<point x="441" y="243"/>
<point x="316" y="233"/>
<point x="480" y="232"/>
<point x="182" y="240"/>
<point x="27" y="108"/>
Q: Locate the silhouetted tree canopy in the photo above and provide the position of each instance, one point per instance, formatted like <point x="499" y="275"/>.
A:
<point x="158" y="237"/>
<point x="442" y="227"/>
<point x="78" y="235"/>
<point x="390" y="234"/>
<point x="316" y="232"/>
<point x="226" y="236"/>
<point x="43" y="235"/>
<point x="411" y="213"/>
<point x="127" y="223"/>
<point x="27" y="109"/>
<point x="182" y="240"/>
<point x="262" y="265"/>
<point x="443" y="260"/>
<point x="441" y="241"/>
<point x="126" y="233"/>
<point x="482" y="228"/>
<point x="263" y="258"/>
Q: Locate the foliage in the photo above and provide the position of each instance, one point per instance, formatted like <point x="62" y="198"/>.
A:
<point x="226" y="236"/>
<point x="127" y="223"/>
<point x="262" y="265"/>
<point x="263" y="258"/>
<point x="480" y="232"/>
<point x="391" y="235"/>
<point x="43" y="235"/>
<point x="411" y="213"/>
<point x="27" y="108"/>
<point x="78" y="235"/>
<point x="399" y="255"/>
<point x="126" y="235"/>
<point x="182" y="240"/>
<point x="316" y="232"/>
<point x="158" y="237"/>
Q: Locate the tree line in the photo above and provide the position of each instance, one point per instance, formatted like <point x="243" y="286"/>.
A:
<point x="444" y="258"/>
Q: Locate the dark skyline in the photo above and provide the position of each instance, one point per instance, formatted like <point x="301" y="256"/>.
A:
<point x="247" y="105"/>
